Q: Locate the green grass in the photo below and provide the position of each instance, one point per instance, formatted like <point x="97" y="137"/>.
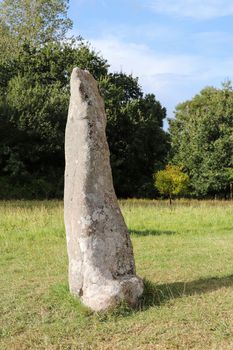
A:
<point x="185" y="255"/>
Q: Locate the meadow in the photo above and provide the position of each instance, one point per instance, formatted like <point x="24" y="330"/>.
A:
<point x="184" y="254"/>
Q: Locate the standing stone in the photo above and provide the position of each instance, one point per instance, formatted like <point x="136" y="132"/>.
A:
<point x="101" y="262"/>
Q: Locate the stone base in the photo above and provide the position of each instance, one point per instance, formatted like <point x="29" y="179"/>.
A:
<point x="112" y="292"/>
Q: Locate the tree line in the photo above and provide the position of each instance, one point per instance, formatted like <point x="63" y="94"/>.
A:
<point x="35" y="67"/>
<point x="202" y="142"/>
<point x="36" y="59"/>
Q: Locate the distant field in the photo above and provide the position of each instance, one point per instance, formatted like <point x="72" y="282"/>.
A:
<point x="185" y="254"/>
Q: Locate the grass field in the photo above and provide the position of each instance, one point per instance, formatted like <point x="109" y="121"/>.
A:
<point x="185" y="254"/>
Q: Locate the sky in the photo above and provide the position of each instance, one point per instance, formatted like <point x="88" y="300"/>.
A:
<point x="175" y="47"/>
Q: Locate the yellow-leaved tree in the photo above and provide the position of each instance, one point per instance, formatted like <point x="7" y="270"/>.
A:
<point x="171" y="181"/>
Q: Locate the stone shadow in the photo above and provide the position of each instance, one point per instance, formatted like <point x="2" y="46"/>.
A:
<point x="151" y="232"/>
<point x="158" y="294"/>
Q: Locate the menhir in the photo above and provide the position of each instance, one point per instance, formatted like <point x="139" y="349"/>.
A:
<point x="101" y="262"/>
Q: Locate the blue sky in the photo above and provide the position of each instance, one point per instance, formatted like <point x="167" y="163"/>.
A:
<point x="175" y="47"/>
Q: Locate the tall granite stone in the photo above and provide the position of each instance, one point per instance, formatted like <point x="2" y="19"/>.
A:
<point x="101" y="262"/>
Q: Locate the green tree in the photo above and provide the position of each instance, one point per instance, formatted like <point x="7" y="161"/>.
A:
<point x="138" y="144"/>
<point x="171" y="181"/>
<point x="202" y="140"/>
<point x="36" y="60"/>
<point x="34" y="97"/>
<point x="34" y="22"/>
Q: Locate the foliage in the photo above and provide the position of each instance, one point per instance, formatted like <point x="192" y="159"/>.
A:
<point x="34" y="96"/>
<point x="171" y="181"/>
<point x="34" y="22"/>
<point x="202" y="140"/>
<point x="35" y="65"/>
<point x="138" y="144"/>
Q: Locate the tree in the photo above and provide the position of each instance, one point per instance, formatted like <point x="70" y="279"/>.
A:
<point x="202" y="140"/>
<point x="34" y="94"/>
<point x="32" y="22"/>
<point x="34" y="97"/>
<point x="171" y="181"/>
<point x="33" y="103"/>
<point x="138" y="144"/>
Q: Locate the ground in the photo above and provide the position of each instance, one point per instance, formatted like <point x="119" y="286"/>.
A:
<point x="184" y="253"/>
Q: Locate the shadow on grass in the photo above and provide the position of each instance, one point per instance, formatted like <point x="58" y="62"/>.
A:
<point x="153" y="295"/>
<point x="151" y="232"/>
<point x="159" y="294"/>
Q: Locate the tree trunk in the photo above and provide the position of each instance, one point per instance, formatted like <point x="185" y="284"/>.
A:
<point x="170" y="199"/>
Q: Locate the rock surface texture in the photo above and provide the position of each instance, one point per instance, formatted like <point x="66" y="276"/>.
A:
<point x="101" y="262"/>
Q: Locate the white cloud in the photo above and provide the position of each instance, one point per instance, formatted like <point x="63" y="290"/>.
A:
<point x="159" y="74"/>
<point x="197" y="9"/>
<point x="141" y="60"/>
<point x="172" y="78"/>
